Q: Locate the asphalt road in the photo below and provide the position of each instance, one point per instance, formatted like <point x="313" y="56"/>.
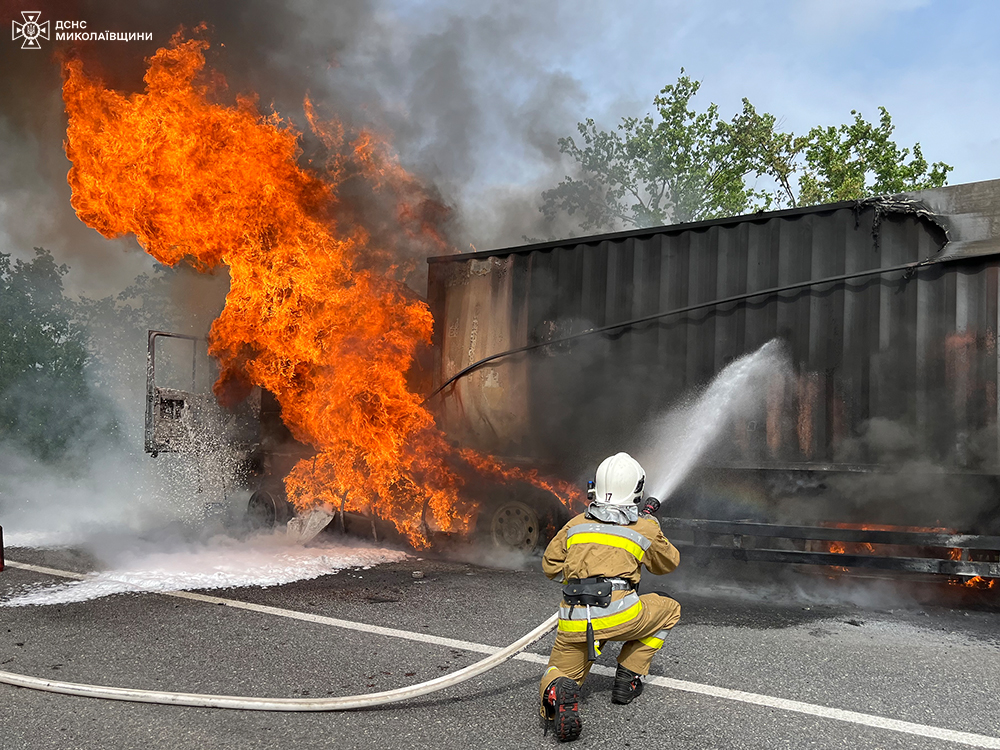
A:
<point x="930" y="664"/>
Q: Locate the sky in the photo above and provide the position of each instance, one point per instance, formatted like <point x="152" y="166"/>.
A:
<point x="475" y="95"/>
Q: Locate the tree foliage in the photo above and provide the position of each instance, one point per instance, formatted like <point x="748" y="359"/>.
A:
<point x="858" y="160"/>
<point x="685" y="165"/>
<point x="64" y="362"/>
<point x="37" y="332"/>
<point x="45" y="401"/>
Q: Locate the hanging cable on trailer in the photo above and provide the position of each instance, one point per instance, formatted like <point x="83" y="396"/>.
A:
<point x="908" y="269"/>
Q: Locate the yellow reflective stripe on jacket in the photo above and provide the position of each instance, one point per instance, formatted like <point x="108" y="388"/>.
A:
<point x="612" y="529"/>
<point x="607" y="539"/>
<point x="610" y="535"/>
<point x="608" y="621"/>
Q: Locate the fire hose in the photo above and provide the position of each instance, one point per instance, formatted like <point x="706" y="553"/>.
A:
<point x="249" y="703"/>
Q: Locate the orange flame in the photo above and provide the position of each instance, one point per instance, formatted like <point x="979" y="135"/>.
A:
<point x="978" y="582"/>
<point x="313" y="314"/>
<point x="568" y="494"/>
<point x="951" y="553"/>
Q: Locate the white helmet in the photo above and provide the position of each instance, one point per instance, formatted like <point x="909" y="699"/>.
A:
<point x="619" y="480"/>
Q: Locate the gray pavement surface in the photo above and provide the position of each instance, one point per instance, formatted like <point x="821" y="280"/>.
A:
<point x="929" y="663"/>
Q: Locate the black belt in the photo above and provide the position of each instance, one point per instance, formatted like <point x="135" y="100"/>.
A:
<point x="592" y="592"/>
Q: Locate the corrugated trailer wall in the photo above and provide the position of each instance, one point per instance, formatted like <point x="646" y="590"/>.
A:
<point x="887" y="368"/>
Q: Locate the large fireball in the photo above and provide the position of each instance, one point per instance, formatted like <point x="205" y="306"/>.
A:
<point x="306" y="318"/>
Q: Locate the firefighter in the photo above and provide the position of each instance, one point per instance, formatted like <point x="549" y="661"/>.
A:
<point x="598" y="555"/>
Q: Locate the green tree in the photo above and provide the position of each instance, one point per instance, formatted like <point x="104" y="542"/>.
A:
<point x="686" y="165"/>
<point x="859" y="160"/>
<point x="46" y="405"/>
<point x="65" y="363"/>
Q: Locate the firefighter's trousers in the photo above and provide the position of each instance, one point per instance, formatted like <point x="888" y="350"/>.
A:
<point x="643" y="636"/>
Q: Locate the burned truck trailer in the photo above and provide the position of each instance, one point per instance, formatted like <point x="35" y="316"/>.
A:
<point x="887" y="425"/>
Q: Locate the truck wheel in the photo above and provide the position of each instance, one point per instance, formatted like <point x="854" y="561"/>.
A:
<point x="514" y="526"/>
<point x="265" y="511"/>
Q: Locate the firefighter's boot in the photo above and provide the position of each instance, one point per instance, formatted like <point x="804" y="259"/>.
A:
<point x="628" y="686"/>
<point x="562" y="708"/>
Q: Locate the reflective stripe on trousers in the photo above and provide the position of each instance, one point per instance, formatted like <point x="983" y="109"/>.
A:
<point x="609" y="535"/>
<point x="655" y="640"/>
<point x="574" y="619"/>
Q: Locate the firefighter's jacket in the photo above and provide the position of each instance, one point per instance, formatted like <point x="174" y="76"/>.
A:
<point x="586" y="547"/>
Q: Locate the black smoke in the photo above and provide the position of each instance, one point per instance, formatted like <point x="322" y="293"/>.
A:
<point x="460" y="92"/>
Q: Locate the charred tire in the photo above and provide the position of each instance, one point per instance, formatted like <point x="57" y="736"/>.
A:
<point x="265" y="510"/>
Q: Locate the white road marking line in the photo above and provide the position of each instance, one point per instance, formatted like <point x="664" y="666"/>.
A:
<point x="757" y="699"/>
<point x="48" y="571"/>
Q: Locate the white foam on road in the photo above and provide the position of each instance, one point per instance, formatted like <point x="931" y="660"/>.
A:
<point x="218" y="564"/>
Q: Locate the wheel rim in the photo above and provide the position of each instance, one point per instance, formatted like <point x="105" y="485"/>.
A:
<point x="261" y="510"/>
<point x="515" y="526"/>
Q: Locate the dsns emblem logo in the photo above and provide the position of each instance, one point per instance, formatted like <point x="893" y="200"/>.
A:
<point x="31" y="30"/>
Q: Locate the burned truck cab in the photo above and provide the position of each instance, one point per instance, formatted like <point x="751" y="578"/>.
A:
<point x="241" y="453"/>
<point x="245" y="453"/>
